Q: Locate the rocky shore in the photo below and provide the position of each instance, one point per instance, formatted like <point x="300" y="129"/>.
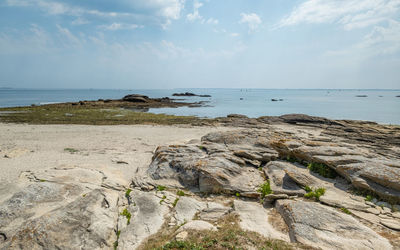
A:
<point x="288" y="182"/>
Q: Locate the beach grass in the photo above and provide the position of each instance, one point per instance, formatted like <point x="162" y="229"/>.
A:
<point x="87" y="116"/>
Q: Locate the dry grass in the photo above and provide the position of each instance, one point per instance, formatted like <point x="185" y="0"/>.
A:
<point x="228" y="236"/>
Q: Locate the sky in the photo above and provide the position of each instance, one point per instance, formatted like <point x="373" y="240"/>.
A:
<point x="157" y="44"/>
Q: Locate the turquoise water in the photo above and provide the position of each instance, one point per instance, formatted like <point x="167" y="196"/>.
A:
<point x="380" y="105"/>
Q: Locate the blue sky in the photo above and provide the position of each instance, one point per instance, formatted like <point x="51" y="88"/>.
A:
<point x="200" y="43"/>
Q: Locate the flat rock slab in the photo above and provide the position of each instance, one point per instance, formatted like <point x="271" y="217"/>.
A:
<point x="148" y="216"/>
<point x="315" y="225"/>
<point x="198" y="225"/>
<point x="254" y="217"/>
<point x="59" y="209"/>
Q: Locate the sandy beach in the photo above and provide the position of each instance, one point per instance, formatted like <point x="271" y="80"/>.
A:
<point x="119" y="149"/>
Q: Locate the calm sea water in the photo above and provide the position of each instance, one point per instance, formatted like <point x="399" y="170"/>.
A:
<point x="380" y="105"/>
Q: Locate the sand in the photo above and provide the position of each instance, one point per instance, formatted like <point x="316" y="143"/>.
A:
<point x="118" y="148"/>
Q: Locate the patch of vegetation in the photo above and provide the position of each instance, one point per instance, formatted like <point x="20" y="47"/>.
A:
<point x="322" y="170"/>
<point x="369" y="198"/>
<point x="161" y="188"/>
<point x="175" y="202"/>
<point x="180" y="193"/>
<point x="345" y="210"/>
<point x="265" y="189"/>
<point x="128" y="192"/>
<point x="56" y="114"/>
<point x="41" y="180"/>
<point x="291" y="159"/>
<point x="229" y="236"/>
<point x="237" y="194"/>
<point x="307" y="189"/>
<point x="128" y="215"/>
<point x="316" y="193"/>
<point x="163" y="199"/>
<point x="116" y="242"/>
<point x="71" y="150"/>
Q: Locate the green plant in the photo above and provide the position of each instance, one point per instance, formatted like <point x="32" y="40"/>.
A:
<point x="316" y="193"/>
<point x="41" y="180"/>
<point x="308" y="189"/>
<point x="345" y="210"/>
<point x="369" y="198"/>
<point x="161" y="188"/>
<point x="175" y="202"/>
<point x="265" y="189"/>
<point x="291" y="159"/>
<point x="322" y="170"/>
<point x="180" y="193"/>
<point x="128" y="215"/>
<point x="237" y="194"/>
<point x="71" y="150"/>
<point x="116" y="242"/>
<point x="127" y="193"/>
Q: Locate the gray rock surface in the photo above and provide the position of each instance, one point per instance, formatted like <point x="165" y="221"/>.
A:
<point x="69" y="209"/>
<point x="254" y="217"/>
<point x="148" y="215"/>
<point x="316" y="225"/>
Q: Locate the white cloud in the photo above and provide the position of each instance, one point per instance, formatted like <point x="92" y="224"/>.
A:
<point x="69" y="39"/>
<point x="234" y="34"/>
<point x="212" y="21"/>
<point x="161" y="12"/>
<point x="195" y="15"/>
<point x="383" y="40"/>
<point x="349" y="13"/>
<point x="251" y="19"/>
<point x="120" y="26"/>
<point x="79" y="21"/>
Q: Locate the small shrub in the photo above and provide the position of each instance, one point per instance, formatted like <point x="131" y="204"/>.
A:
<point x="316" y="193"/>
<point x="41" y="180"/>
<point x="237" y="194"/>
<point x="265" y="189"/>
<point x="322" y="170"/>
<point x="180" y="193"/>
<point x="128" y="215"/>
<point x="308" y="189"/>
<point x="369" y="198"/>
<point x="345" y="210"/>
<point x="161" y="188"/>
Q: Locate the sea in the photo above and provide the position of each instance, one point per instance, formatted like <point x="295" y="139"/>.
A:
<point x="382" y="106"/>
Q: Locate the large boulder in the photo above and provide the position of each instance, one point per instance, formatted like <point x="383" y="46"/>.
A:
<point x="135" y="98"/>
<point x="192" y="167"/>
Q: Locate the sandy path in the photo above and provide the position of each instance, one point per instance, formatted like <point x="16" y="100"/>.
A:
<point x="31" y="147"/>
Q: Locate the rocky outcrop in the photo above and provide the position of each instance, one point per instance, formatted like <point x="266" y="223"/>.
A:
<point x="364" y="169"/>
<point x="62" y="208"/>
<point x="257" y="179"/>
<point x="189" y="94"/>
<point x="316" y="225"/>
<point x="135" y="98"/>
